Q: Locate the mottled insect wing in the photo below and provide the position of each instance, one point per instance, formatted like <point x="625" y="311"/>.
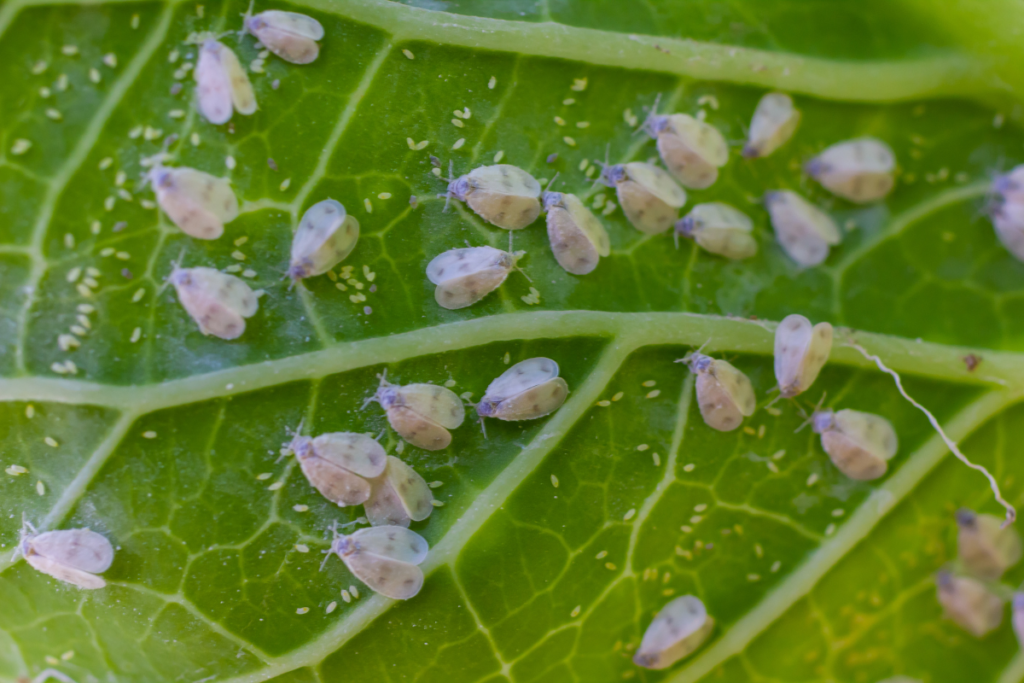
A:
<point x="774" y="122"/>
<point x="985" y="548"/>
<point x="355" y="452"/>
<point x="418" y="430"/>
<point x="679" y="629"/>
<point x="64" y="573"/>
<point x="336" y="484"/>
<point x="390" y="578"/>
<point x="400" y="495"/>
<point x="80" y="549"/>
<point x="213" y="84"/>
<point x="521" y="377"/>
<point x="692" y="150"/>
<point x="860" y="444"/>
<point x="435" y="403"/>
<point x="535" y="402"/>
<point x="724" y="395"/>
<point x="578" y="240"/>
<point x="969" y="603"/>
<point x="289" y="35"/>
<point x="649" y="197"/>
<point x="800" y="352"/>
<point x="464" y="276"/>
<point x="720" y="229"/>
<point x="218" y="302"/>
<point x="504" y="195"/>
<point x="197" y="202"/>
<point x="859" y="170"/>
<point x="393" y="543"/>
<point x="325" y="237"/>
<point x="804" y="231"/>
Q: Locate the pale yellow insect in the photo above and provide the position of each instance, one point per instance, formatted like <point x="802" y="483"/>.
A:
<point x="340" y="465"/>
<point x="466" y="275"/>
<point x="724" y="394"/>
<point x="526" y="391"/>
<point x="218" y="302"/>
<point x="289" y="35"/>
<point x="197" y="202"/>
<point x="800" y="353"/>
<point x="860" y="170"/>
<point x="692" y="150"/>
<point x="805" y="232"/>
<point x="775" y="120"/>
<point x="399" y="495"/>
<point x="422" y="414"/>
<point x="680" y="628"/>
<point x="384" y="558"/>
<point x="720" y="229"/>
<point x="969" y="603"/>
<point x="649" y="196"/>
<point x="578" y="240"/>
<point x="503" y="195"/>
<point x="859" y="444"/>
<point x="222" y="84"/>
<point x="325" y="237"/>
<point x="985" y="548"/>
<point x="74" y="556"/>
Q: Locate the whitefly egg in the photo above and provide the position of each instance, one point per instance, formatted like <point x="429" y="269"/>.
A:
<point x="805" y="232"/>
<point x="289" y="35"/>
<point x="340" y="465"/>
<point x="385" y="558"/>
<point x="578" y="240"/>
<point x="692" y="150"/>
<point x="720" y="229"/>
<point x="197" y="202"/>
<point x="503" y="195"/>
<point x="222" y="85"/>
<point x="774" y="122"/>
<point x="984" y="547"/>
<point x="73" y="556"/>
<point x="218" y="302"/>
<point x="860" y="170"/>
<point x="464" y="276"/>
<point x="325" y="237"/>
<point x="724" y="394"/>
<point x="969" y="603"/>
<point x="399" y="495"/>
<point x="859" y="444"/>
<point x="679" y="629"/>
<point x="649" y="196"/>
<point x="801" y="351"/>
<point x="526" y="391"/>
<point x="422" y="414"/>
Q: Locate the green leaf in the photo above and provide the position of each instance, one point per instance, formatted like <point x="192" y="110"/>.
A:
<point x="560" y="538"/>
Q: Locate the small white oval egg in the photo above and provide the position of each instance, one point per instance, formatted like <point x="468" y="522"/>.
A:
<point x="720" y="229"/>
<point x="774" y="122"/>
<point x="692" y="150"/>
<point x="399" y="495"/>
<point x="804" y="231"/>
<point x="289" y="35"/>
<point x="466" y="275"/>
<point x="340" y="465"/>
<point x="800" y="353"/>
<point x="578" y="240"/>
<point x="385" y="558"/>
<point x="969" y="603"/>
<point x="526" y="391"/>
<point x="422" y="414"/>
<point x="222" y="85"/>
<point x="984" y="547"/>
<point x="325" y="237"/>
<point x="649" y="196"/>
<point x="679" y="629"/>
<point x="197" y="202"/>
<point x="724" y="394"/>
<point x="503" y="195"/>
<point x="859" y="444"/>
<point x="860" y="170"/>
<point x="218" y="302"/>
<point x="74" y="556"/>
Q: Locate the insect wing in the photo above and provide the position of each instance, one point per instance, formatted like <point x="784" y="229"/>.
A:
<point x="851" y="458"/>
<point x="723" y="230"/>
<point x="357" y="453"/>
<point x="692" y="151"/>
<point x="335" y="483"/>
<point x="521" y="377"/>
<point x="61" y="572"/>
<point x="535" y="402"/>
<point x="393" y="543"/>
<point x="800" y="352"/>
<point x="80" y="549"/>
<point x="198" y="203"/>
<point x="657" y="182"/>
<point x="456" y="263"/>
<point x="437" y="404"/>
<point x="859" y="170"/>
<point x="774" y="122"/>
<point x="390" y="578"/>
<point x="969" y="603"/>
<point x="725" y="396"/>
<point x="588" y="223"/>
<point x="804" y="231"/>
<point x="984" y="547"/>
<point x="504" y="195"/>
<point x="467" y="290"/>
<point x="678" y="629"/>
<point x="418" y="430"/>
<point x="504" y="179"/>
<point x="1008" y="220"/>
<point x="289" y="35"/>
<point x="242" y="95"/>
<point x="411" y="490"/>
<point x="325" y="237"/>
<point x="871" y="432"/>
<point x="218" y="302"/>
<point x="213" y="83"/>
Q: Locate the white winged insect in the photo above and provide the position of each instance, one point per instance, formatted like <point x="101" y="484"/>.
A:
<point x="222" y="86"/>
<point x="422" y="414"/>
<point x="464" y="276"/>
<point x="805" y="232"/>
<point x="578" y="240"/>
<point x="859" y="444"/>
<point x="724" y="394"/>
<point x="680" y="628"/>
<point x="197" y="202"/>
<point x="289" y="35"/>
<point x="325" y="237"/>
<point x="340" y="465"/>
<point x="526" y="391"/>
<point x="969" y="603"/>
<point x="774" y="122"/>
<point x="860" y="170"/>
<point x="1008" y="221"/>
<point x="720" y="229"/>
<point x="218" y="302"/>
<point x="800" y="353"/>
<point x="74" y="556"/>
<point x="384" y="558"/>
<point x="984" y="547"/>
<point x="692" y="150"/>
<point x="649" y="196"/>
<point x="399" y="495"/>
<point x="503" y="195"/>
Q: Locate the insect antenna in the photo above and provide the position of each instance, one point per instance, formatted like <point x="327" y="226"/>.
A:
<point x="516" y="257"/>
<point x="648" y="126"/>
<point x="689" y="357"/>
<point x="604" y="167"/>
<point x="451" y="177"/>
<point x="245" y="18"/>
<point x="808" y="419"/>
<point x="383" y="383"/>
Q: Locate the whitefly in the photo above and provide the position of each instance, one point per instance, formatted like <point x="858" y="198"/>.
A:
<point x="985" y="546"/>
<point x="74" y="556"/>
<point x="692" y="150"/>
<point x="385" y="558"/>
<point x="503" y="195"/>
<point x="724" y="394"/>
<point x="422" y="414"/>
<point x="399" y="496"/>
<point x="801" y="351"/>
<point x="859" y="444"/>
<point x="678" y="630"/>
<point x="860" y="170"/>
<point x="969" y="603"/>
<point x="218" y="302"/>
<point x="326" y="235"/>
<point x="649" y="196"/>
<point x="466" y="275"/>
<point x="222" y="85"/>
<point x="720" y="229"/>
<point x="340" y="465"/>
<point x="198" y="203"/>
<point x="805" y="232"/>
<point x="774" y="122"/>
<point x="289" y="35"/>
<point x="578" y="239"/>
<point x="526" y="391"/>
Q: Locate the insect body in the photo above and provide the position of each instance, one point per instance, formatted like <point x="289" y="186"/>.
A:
<point x="422" y="414"/>
<point x="984" y="547"/>
<point x="326" y="236"/>
<point x="197" y="202"/>
<point x="720" y="229"/>
<point x="724" y="394"/>
<point x="526" y="391"/>
<point x="800" y="353"/>
<point x="692" y="150"/>
<point x="289" y="35"/>
<point x="74" y="556"/>
<point x="805" y="232"/>
<point x="464" y="276"/>
<point x="578" y="239"/>
<point x="859" y="444"/>
<point x="503" y="195"/>
<point x="385" y="559"/>
<point x="860" y="170"/>
<point x="400" y="495"/>
<point x="222" y="84"/>
<point x="775" y="120"/>
<point x="218" y="302"/>
<point x="969" y="603"/>
<point x="340" y="465"/>
<point x="679" y="628"/>
<point x="649" y="196"/>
